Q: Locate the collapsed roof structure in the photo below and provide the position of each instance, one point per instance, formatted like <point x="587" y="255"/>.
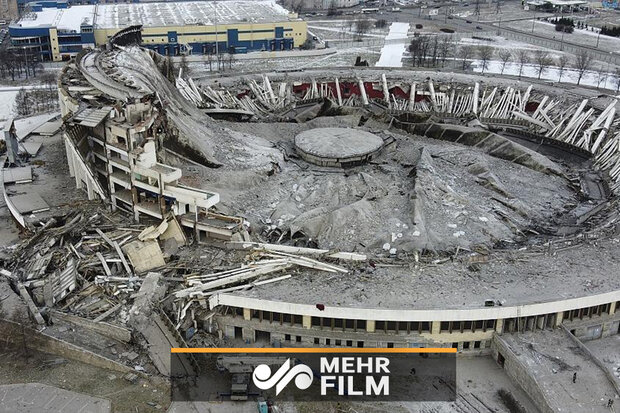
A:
<point x="357" y="208"/>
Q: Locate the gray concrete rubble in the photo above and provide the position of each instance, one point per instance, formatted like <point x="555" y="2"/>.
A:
<point x="41" y="398"/>
<point x="557" y="373"/>
<point x="357" y="209"/>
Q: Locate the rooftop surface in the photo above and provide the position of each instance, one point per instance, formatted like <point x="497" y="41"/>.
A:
<point x="514" y="279"/>
<point x="68" y="19"/>
<point x="552" y="358"/>
<point x="337" y="142"/>
<point x="118" y="16"/>
<point x="188" y="13"/>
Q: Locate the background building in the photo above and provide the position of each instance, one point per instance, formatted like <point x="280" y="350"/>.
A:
<point x="58" y="31"/>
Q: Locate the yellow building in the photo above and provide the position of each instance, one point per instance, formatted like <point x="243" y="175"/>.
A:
<point x="58" y="32"/>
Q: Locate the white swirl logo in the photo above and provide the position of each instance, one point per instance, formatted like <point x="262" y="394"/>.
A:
<point x="263" y="379"/>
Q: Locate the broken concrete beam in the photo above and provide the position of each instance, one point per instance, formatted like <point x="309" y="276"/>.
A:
<point x="32" y="308"/>
<point x="107" y="313"/>
<point x="105" y="329"/>
<point x="348" y="256"/>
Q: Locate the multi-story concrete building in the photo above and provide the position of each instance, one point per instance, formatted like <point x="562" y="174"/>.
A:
<point x="58" y="31"/>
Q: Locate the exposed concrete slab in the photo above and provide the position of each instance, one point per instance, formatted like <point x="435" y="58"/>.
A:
<point x="17" y="175"/>
<point x="339" y="143"/>
<point x="48" y="128"/>
<point x="29" y="203"/>
<point x="550" y="359"/>
<point x="607" y="350"/>
<point x="144" y="255"/>
<point x="41" y="398"/>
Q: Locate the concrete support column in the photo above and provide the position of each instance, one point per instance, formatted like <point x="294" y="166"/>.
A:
<point x="612" y="308"/>
<point x="499" y="326"/>
<point x="89" y="190"/>
<point x="370" y="326"/>
<point x="247" y="314"/>
<point x="306" y="321"/>
<point x="247" y="334"/>
<point x="436" y="327"/>
<point x="558" y="319"/>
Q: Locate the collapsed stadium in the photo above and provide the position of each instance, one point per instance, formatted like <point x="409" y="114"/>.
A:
<point x="354" y="207"/>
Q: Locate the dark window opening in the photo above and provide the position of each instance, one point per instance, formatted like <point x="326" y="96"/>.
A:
<point x="500" y="359"/>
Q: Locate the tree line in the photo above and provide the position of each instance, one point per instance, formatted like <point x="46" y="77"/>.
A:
<point x="18" y="64"/>
<point x="613" y="31"/>
<point x="42" y="99"/>
<point x="432" y="51"/>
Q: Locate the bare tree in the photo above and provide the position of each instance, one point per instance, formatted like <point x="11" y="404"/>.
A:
<point x="209" y="60"/>
<point x="562" y="62"/>
<point x="419" y="49"/>
<point x="362" y="26"/>
<point x="505" y="56"/>
<point x="485" y="53"/>
<point x="602" y="76"/>
<point x="231" y="57"/>
<point x="542" y="61"/>
<point x="466" y="53"/>
<point x="333" y="8"/>
<point x="350" y="23"/>
<point x="523" y="57"/>
<point x="23" y="105"/>
<point x="444" y="50"/>
<point x="583" y="62"/>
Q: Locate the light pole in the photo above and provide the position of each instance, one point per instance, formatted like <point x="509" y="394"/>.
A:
<point x="25" y="61"/>
<point x="217" y="50"/>
<point x="608" y="73"/>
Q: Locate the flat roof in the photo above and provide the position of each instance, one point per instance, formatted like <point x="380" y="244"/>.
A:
<point x="118" y="16"/>
<point x="188" y="13"/>
<point x="68" y="19"/>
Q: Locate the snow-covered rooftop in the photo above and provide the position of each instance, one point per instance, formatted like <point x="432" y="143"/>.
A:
<point x="68" y="19"/>
<point x="188" y="13"/>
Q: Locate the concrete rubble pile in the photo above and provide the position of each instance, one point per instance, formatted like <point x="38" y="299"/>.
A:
<point x="99" y="270"/>
<point x="80" y="264"/>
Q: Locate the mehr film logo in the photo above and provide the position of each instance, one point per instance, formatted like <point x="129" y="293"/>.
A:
<point x="336" y="373"/>
<point x="317" y="374"/>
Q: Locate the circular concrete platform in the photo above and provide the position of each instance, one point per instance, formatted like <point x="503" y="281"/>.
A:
<point x="342" y="147"/>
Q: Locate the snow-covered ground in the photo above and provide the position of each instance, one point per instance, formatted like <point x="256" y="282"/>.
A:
<point x="7" y="97"/>
<point x="579" y="36"/>
<point x="590" y="78"/>
<point x="395" y="46"/>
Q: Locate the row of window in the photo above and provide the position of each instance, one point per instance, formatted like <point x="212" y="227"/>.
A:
<point x="512" y="324"/>
<point x="588" y="311"/>
<point x="465" y="345"/>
